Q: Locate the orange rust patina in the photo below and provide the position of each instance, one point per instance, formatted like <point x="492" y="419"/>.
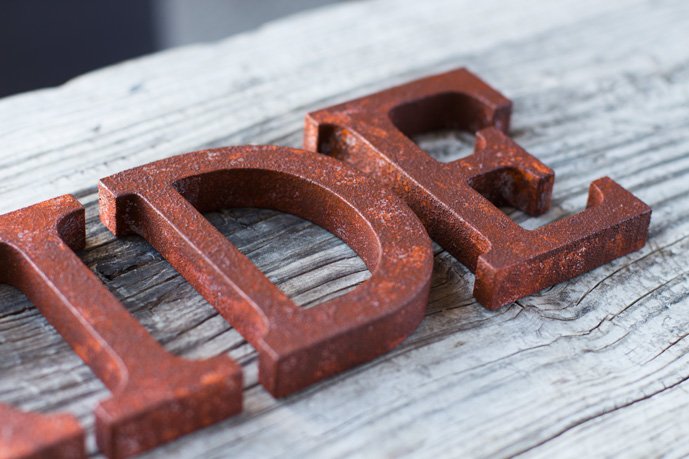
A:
<point x="163" y="202"/>
<point x="458" y="201"/>
<point x="35" y="435"/>
<point x="156" y="396"/>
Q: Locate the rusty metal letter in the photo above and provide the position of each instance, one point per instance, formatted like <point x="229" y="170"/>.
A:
<point x="26" y="435"/>
<point x="457" y="201"/>
<point x="163" y="201"/>
<point x="156" y="395"/>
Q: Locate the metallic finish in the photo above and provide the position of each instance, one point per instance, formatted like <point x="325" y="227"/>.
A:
<point x="457" y="201"/>
<point x="156" y="395"/>
<point x="163" y="202"/>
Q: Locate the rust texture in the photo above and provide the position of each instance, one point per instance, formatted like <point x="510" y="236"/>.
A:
<point x="163" y="202"/>
<point x="39" y="436"/>
<point x="156" y="395"/>
<point x="458" y="201"/>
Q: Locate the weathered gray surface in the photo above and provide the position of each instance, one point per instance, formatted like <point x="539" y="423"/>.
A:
<point x="595" y="365"/>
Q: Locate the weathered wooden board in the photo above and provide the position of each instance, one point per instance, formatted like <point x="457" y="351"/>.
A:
<point x="598" y="365"/>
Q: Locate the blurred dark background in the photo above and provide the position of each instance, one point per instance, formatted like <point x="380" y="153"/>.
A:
<point x="47" y="42"/>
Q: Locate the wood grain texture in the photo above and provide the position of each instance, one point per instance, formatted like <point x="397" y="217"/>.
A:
<point x="594" y="366"/>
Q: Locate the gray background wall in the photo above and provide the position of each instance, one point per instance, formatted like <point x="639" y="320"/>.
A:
<point x="180" y="22"/>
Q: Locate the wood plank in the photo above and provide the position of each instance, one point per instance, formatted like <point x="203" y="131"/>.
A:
<point x="595" y="365"/>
